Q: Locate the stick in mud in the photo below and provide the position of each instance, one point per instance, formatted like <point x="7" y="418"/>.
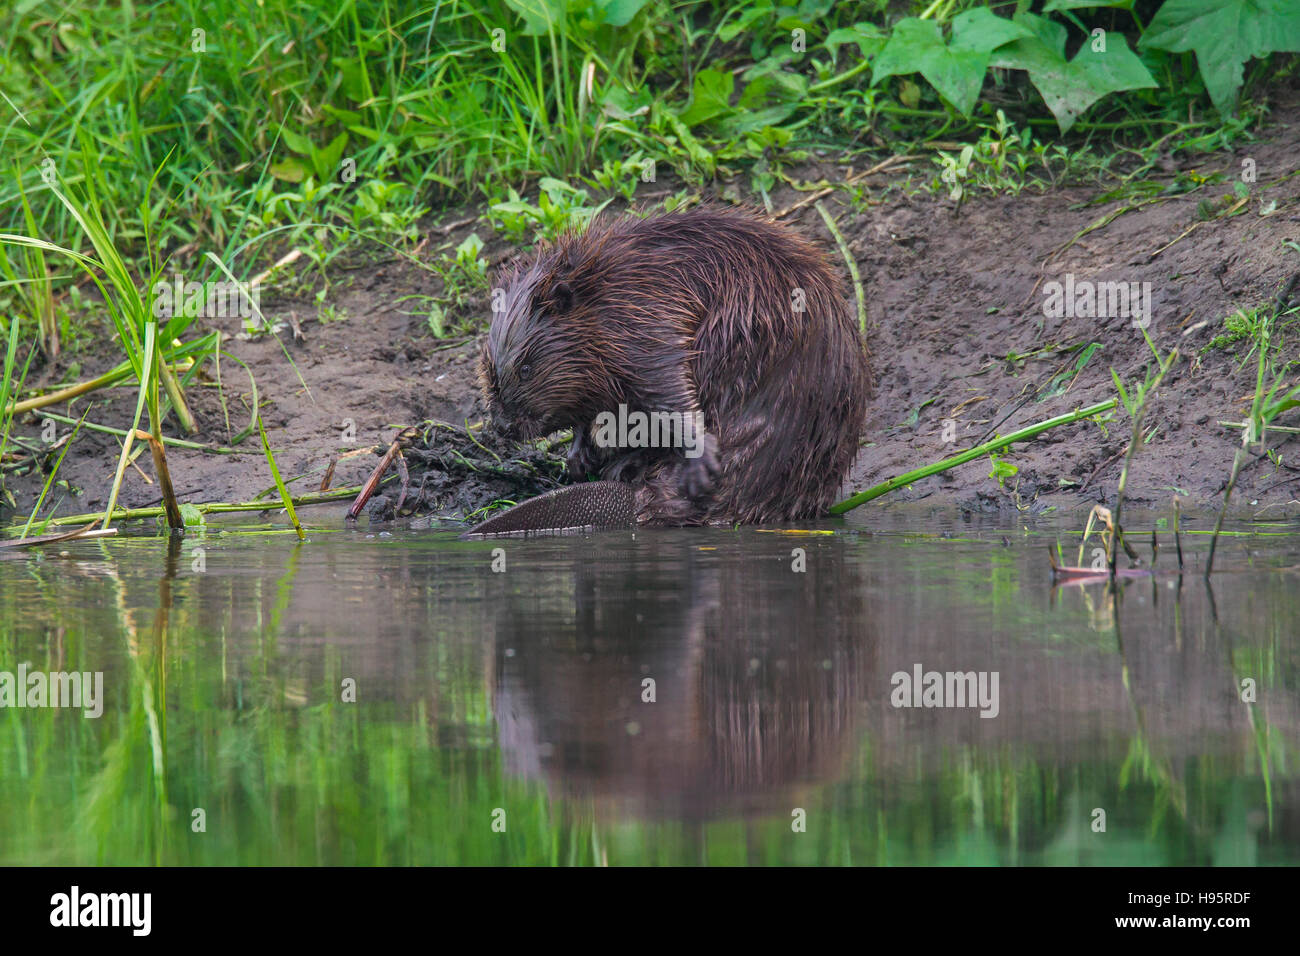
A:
<point x="404" y="438"/>
<point x="173" y="509"/>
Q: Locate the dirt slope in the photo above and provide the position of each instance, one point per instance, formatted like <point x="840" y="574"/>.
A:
<point x="950" y="293"/>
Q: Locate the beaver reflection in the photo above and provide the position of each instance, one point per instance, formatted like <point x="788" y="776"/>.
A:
<point x="756" y="690"/>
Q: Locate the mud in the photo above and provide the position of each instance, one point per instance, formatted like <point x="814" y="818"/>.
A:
<point x="454" y="472"/>
<point x="955" y="307"/>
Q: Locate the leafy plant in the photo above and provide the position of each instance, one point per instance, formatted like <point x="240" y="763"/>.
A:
<point x="1224" y="34"/>
<point x="559" y="207"/>
<point x="1103" y="64"/>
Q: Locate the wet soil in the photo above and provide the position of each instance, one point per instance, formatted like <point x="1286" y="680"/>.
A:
<point x="962" y="347"/>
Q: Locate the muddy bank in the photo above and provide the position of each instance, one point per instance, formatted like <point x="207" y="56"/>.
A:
<point x="962" y="344"/>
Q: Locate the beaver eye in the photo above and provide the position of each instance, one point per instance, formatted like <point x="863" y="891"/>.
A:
<point x="525" y="372"/>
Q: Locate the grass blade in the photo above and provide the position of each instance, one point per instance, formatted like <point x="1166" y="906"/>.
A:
<point x="279" y="482"/>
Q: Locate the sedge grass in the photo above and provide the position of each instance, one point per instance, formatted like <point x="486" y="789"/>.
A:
<point x="1136" y="401"/>
<point x="1268" y="401"/>
<point x="140" y="333"/>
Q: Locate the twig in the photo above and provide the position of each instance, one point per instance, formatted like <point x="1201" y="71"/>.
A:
<point x="1096" y="471"/>
<point x="1194" y="226"/>
<point x="453" y="226"/>
<point x="1178" y="540"/>
<point x="287" y="259"/>
<point x="855" y="178"/>
<point x="403" y="473"/>
<point x="83" y="532"/>
<point x="1138" y="412"/>
<point x="404" y="437"/>
<point x="173" y="509"/>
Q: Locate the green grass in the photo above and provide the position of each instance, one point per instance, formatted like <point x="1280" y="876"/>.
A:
<point x="284" y="114"/>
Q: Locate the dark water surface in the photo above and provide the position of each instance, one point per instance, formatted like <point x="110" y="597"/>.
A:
<point x="499" y="715"/>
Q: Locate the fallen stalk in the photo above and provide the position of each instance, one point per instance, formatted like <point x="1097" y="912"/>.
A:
<point x="87" y="531"/>
<point x="214" y="507"/>
<point x="850" y="263"/>
<point x="979" y="451"/>
<point x="72" y="391"/>
<point x="170" y="442"/>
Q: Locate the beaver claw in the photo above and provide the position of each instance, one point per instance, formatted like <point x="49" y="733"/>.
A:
<point x="698" y="476"/>
<point x="582" y="459"/>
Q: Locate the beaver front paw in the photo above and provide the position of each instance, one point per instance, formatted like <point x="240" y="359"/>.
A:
<point x="700" y="472"/>
<point x="582" y="459"/>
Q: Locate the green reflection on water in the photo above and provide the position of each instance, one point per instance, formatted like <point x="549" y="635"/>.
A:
<point x="520" y="692"/>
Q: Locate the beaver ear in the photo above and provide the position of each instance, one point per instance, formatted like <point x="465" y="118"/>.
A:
<point x="560" y="298"/>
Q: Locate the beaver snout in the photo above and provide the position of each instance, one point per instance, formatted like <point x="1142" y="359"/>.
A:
<point x="506" y="428"/>
<point x="516" y="427"/>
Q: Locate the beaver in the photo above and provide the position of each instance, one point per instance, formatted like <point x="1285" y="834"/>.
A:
<point x="717" y="321"/>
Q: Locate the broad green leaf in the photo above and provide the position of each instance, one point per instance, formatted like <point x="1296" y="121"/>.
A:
<point x="1052" y="33"/>
<point x="698" y="154"/>
<point x="867" y="36"/>
<point x="291" y="171"/>
<point x="326" y="160"/>
<point x="1069" y="87"/>
<point x="956" y="70"/>
<point x="981" y="31"/>
<point x="1052" y="5"/>
<point x="1225" y="34"/>
<point x="539" y="16"/>
<point x="771" y="89"/>
<point x="710" y="97"/>
<point x="620" y="12"/>
<point x="298" y="143"/>
<point x="623" y="104"/>
<point x="729" y="31"/>
<point x="917" y="46"/>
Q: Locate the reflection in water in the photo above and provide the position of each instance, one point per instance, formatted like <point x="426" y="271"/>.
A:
<point x="668" y="696"/>
<point x="708" y="687"/>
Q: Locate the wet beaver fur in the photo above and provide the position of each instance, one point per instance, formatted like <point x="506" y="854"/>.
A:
<point x="714" y="310"/>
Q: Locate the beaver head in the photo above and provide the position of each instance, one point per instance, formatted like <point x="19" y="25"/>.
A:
<point x="541" y="367"/>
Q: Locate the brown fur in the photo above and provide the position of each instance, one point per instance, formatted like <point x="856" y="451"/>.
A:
<point x="684" y="312"/>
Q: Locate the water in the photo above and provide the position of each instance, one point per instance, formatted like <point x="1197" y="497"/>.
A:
<point x="389" y="698"/>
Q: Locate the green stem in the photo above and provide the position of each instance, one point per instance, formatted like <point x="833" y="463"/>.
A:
<point x="1030" y="431"/>
<point x="215" y="507"/>
<point x="173" y="442"/>
<point x="177" y="395"/>
<point x="1227" y="496"/>
<point x="852" y="265"/>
